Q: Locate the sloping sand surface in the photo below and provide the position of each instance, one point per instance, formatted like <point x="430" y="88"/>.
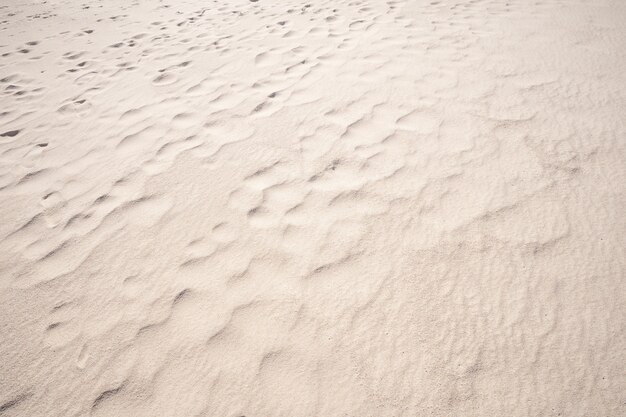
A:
<point x="337" y="208"/>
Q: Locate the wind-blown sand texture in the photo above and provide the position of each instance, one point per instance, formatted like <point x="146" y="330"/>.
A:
<point x="334" y="208"/>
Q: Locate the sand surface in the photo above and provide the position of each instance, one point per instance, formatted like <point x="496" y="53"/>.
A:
<point x="334" y="208"/>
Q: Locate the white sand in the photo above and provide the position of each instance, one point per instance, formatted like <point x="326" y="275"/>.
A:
<point x="341" y="208"/>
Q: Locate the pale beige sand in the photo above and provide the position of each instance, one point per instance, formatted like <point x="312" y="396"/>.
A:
<point x="341" y="208"/>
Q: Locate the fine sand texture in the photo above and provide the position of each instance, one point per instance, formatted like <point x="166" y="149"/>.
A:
<point x="303" y="208"/>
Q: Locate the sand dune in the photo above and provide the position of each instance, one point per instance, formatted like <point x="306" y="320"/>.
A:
<point x="335" y="208"/>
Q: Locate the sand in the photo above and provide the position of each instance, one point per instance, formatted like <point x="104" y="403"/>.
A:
<point x="335" y="208"/>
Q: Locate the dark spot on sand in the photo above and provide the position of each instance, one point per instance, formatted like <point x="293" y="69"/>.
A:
<point x="10" y="133"/>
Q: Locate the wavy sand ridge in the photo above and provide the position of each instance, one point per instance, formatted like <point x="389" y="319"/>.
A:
<point x="347" y="208"/>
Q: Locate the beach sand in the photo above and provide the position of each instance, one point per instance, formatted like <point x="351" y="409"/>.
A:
<point x="335" y="208"/>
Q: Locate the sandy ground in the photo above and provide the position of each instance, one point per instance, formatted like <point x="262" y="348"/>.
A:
<point x="335" y="208"/>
